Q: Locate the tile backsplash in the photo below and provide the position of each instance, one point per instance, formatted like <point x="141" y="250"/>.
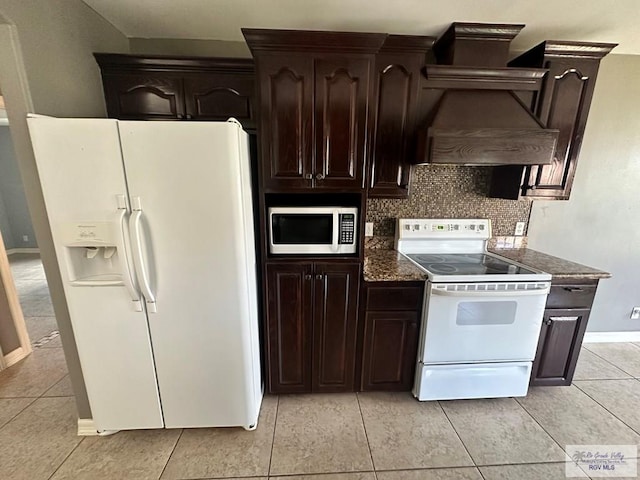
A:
<point x="446" y="191"/>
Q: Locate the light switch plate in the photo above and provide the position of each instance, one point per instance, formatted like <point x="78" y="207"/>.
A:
<point x="368" y="229"/>
<point x="635" y="313"/>
<point x="519" y="229"/>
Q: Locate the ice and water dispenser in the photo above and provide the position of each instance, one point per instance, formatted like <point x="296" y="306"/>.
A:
<point x="93" y="254"/>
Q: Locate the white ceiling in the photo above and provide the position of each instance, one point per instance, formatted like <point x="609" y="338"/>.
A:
<point x="613" y="21"/>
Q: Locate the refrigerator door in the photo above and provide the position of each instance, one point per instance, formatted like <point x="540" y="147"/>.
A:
<point x="191" y="183"/>
<point x="80" y="168"/>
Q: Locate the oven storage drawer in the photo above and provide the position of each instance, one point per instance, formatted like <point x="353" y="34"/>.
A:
<point x="571" y="296"/>
<point x="479" y="380"/>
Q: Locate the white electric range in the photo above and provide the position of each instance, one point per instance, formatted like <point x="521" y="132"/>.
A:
<point x="482" y="313"/>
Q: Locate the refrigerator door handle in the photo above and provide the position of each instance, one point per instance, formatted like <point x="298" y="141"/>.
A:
<point x="127" y="277"/>
<point x="138" y="254"/>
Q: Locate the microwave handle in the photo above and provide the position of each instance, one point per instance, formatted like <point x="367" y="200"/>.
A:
<point x="336" y="231"/>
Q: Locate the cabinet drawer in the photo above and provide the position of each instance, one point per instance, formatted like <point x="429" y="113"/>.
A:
<point x="394" y="298"/>
<point x="571" y="296"/>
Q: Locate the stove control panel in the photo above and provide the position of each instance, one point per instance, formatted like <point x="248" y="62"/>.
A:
<point x="443" y="228"/>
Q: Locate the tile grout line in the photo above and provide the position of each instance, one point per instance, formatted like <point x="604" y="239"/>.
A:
<point x="610" y="363"/>
<point x="366" y="435"/>
<point x="67" y="457"/>
<point x="273" y="437"/>
<point x="171" y="454"/>
<point x="613" y="414"/>
<point x="541" y="426"/>
<point x="457" y="434"/>
<point x="33" y="399"/>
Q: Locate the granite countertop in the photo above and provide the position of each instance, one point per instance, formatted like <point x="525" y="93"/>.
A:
<point x="557" y="267"/>
<point x="389" y="265"/>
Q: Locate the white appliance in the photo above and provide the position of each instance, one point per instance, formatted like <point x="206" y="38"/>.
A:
<point x="313" y="230"/>
<point x="482" y="313"/>
<point x="153" y="231"/>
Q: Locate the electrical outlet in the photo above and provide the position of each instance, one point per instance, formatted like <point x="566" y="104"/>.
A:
<point x="25" y="238"/>
<point x="635" y="313"/>
<point x="368" y="229"/>
<point x="519" y="229"/>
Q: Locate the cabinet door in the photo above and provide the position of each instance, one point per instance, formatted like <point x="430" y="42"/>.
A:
<point x="564" y="105"/>
<point x="335" y="326"/>
<point x="559" y="346"/>
<point x="289" y="327"/>
<point x="341" y="100"/>
<point x="397" y="78"/>
<point x="220" y="96"/>
<point x="390" y="350"/>
<point x="286" y="99"/>
<point x="144" y="97"/>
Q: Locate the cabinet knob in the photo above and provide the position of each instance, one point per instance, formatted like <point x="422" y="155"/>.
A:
<point x="319" y="176"/>
<point x="319" y="277"/>
<point x="189" y="116"/>
<point x="307" y="276"/>
<point x="180" y="116"/>
<point x="309" y="176"/>
<point x="531" y="187"/>
<point x="548" y="321"/>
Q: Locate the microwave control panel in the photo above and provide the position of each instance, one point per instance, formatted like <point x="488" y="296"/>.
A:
<point x="347" y="228"/>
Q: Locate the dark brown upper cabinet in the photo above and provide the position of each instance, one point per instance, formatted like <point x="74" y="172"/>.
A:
<point x="563" y="104"/>
<point x="311" y="326"/>
<point x="178" y="88"/>
<point x="397" y="85"/>
<point x="315" y="107"/>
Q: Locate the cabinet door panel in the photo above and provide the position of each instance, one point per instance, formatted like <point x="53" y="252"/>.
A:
<point x="289" y="326"/>
<point x="335" y="326"/>
<point x="341" y="93"/>
<point x="389" y="169"/>
<point x="566" y="97"/>
<point x="286" y="109"/>
<point x="559" y="346"/>
<point x="390" y="350"/>
<point x="152" y="97"/>
<point x="220" y="96"/>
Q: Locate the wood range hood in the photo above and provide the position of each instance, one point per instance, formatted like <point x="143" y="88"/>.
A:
<point x="480" y="117"/>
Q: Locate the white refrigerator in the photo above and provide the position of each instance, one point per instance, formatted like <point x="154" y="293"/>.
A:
<point x="153" y="229"/>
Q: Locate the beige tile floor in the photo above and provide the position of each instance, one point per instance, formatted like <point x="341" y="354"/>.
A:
<point x="365" y="436"/>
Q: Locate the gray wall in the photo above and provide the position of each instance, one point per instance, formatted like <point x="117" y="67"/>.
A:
<point x="13" y="198"/>
<point x="47" y="67"/>
<point x="5" y="226"/>
<point x="599" y="226"/>
<point x="178" y="46"/>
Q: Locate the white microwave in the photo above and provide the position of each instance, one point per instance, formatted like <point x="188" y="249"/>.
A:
<point x="313" y="230"/>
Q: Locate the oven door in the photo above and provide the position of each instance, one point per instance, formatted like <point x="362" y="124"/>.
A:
<point x="493" y="322"/>
<point x="311" y="230"/>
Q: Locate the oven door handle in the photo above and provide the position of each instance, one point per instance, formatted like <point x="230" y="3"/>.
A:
<point x="490" y="293"/>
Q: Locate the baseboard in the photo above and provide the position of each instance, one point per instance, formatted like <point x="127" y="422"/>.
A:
<point x="86" y="427"/>
<point x="11" y="251"/>
<point x="603" y="337"/>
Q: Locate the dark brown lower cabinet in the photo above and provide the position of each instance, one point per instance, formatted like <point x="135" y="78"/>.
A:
<point x="311" y="326"/>
<point x="391" y="328"/>
<point x="563" y="328"/>
<point x="559" y="346"/>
